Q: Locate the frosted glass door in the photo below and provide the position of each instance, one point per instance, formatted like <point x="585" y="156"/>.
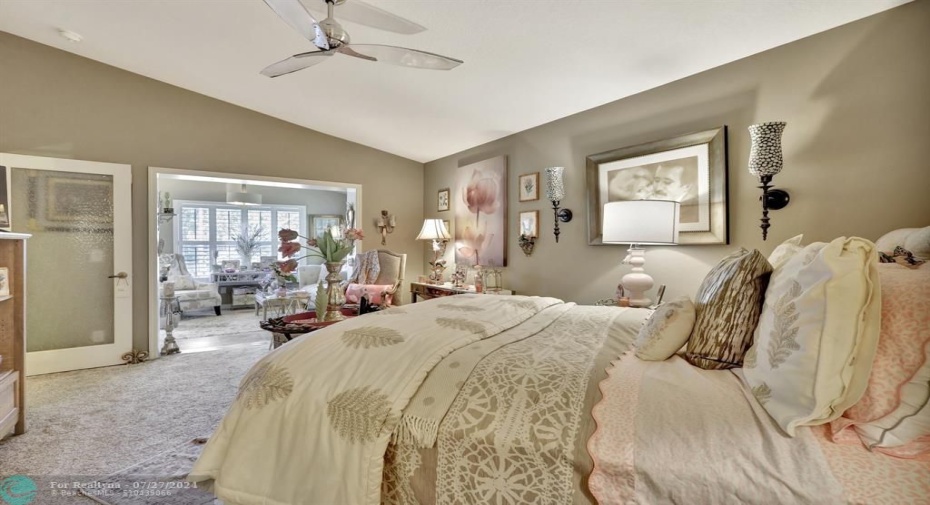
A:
<point x="78" y="291"/>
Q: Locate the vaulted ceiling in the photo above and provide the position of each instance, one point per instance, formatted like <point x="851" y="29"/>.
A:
<point x="527" y="62"/>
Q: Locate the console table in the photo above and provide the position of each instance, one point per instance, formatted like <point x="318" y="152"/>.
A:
<point x="428" y="291"/>
<point x="227" y="281"/>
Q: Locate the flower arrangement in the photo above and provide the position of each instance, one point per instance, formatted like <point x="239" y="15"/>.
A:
<point x="333" y="247"/>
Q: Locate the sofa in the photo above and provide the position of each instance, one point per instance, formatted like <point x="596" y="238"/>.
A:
<point x="387" y="283"/>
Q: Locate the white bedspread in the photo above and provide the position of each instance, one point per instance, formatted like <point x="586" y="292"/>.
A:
<point x="328" y="402"/>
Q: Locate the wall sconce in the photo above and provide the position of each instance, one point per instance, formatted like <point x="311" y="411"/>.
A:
<point x="527" y="243"/>
<point x="385" y="224"/>
<point x="435" y="230"/>
<point x="765" y="160"/>
<point x="555" y="192"/>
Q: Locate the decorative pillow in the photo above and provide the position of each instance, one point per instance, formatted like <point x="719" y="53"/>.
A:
<point x="785" y="251"/>
<point x="899" y="386"/>
<point x="354" y="293"/>
<point x="183" y="282"/>
<point x="900" y="256"/>
<point x="915" y="240"/>
<point x="918" y="243"/>
<point x="728" y="304"/>
<point x="818" y="333"/>
<point x="893" y="239"/>
<point x="666" y="331"/>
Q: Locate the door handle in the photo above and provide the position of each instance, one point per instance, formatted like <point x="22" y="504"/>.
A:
<point x="121" y="275"/>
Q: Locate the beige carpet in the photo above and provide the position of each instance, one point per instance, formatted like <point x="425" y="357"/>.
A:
<point x="91" y="423"/>
<point x="232" y="322"/>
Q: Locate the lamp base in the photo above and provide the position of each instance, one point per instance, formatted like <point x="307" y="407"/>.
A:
<point x="637" y="282"/>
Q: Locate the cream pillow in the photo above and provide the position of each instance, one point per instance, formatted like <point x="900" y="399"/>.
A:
<point x="785" y="251"/>
<point x="817" y="335"/>
<point x="918" y="243"/>
<point x="666" y="331"/>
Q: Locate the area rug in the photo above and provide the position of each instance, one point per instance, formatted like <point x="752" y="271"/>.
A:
<point x="158" y="480"/>
<point x="232" y="322"/>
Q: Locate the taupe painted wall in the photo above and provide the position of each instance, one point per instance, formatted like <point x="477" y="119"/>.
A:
<point x="53" y="103"/>
<point x="857" y="103"/>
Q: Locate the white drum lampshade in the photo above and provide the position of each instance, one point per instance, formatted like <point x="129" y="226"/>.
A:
<point x="640" y="222"/>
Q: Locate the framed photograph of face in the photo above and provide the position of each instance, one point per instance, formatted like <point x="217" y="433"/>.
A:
<point x="690" y="169"/>
<point x="442" y="201"/>
<point x="529" y="187"/>
<point x="529" y="223"/>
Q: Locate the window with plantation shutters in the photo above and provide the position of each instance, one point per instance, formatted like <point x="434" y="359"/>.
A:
<point x="205" y="233"/>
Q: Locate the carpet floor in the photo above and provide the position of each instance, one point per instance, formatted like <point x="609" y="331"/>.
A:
<point x="92" y="423"/>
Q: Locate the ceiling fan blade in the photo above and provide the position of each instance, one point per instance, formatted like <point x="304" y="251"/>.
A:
<point x="407" y="57"/>
<point x="295" y="63"/>
<point x="348" y="51"/>
<point x="366" y="14"/>
<point x="296" y="15"/>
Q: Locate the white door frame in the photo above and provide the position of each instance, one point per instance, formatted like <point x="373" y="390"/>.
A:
<point x="58" y="360"/>
<point x="154" y="350"/>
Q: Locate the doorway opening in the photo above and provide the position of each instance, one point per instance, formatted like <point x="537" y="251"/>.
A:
<point x="213" y="242"/>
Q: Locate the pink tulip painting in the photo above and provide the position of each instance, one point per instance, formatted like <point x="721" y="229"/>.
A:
<point x="480" y="231"/>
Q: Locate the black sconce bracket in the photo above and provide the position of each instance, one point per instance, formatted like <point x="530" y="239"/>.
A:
<point x="563" y="215"/>
<point x="772" y="199"/>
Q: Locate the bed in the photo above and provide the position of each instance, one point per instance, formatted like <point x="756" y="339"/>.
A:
<point x="514" y="400"/>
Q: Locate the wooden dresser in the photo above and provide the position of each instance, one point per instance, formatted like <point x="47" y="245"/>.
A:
<point x="12" y="333"/>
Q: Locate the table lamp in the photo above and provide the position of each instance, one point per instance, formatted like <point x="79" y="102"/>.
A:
<point x="435" y="230"/>
<point x="640" y="222"/>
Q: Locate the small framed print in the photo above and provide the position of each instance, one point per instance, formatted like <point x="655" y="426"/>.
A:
<point x="529" y="223"/>
<point x="443" y="200"/>
<point x="230" y="265"/>
<point x="4" y="281"/>
<point x="529" y="187"/>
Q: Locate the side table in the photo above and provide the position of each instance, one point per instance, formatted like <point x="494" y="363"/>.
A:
<point x="169" y="307"/>
<point x="429" y="291"/>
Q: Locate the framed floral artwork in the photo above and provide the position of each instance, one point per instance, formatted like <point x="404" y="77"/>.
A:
<point x="442" y="201"/>
<point x="690" y="169"/>
<point x="529" y="223"/>
<point x="529" y="187"/>
<point x="4" y="281"/>
<point x="481" y="213"/>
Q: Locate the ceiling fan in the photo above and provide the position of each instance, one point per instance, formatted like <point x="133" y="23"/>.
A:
<point x="330" y="38"/>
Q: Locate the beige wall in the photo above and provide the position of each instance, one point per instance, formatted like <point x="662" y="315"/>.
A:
<point x="53" y="103"/>
<point x="857" y="103"/>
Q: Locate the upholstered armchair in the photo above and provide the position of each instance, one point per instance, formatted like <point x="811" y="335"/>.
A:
<point x="387" y="283"/>
<point x="191" y="294"/>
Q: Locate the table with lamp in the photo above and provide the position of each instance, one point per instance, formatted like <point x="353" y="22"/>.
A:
<point x="638" y="223"/>
<point x="437" y="233"/>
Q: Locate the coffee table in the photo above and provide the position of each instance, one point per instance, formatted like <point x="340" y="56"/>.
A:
<point x="281" y="305"/>
<point x="285" y="328"/>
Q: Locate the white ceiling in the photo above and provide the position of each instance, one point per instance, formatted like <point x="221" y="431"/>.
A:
<point x="527" y="62"/>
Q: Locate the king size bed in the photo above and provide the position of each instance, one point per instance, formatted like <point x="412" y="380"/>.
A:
<point x="514" y="400"/>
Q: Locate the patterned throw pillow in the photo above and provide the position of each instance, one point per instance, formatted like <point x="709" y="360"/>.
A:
<point x="666" y="331"/>
<point x="728" y="304"/>
<point x="893" y="416"/>
<point x="816" y="339"/>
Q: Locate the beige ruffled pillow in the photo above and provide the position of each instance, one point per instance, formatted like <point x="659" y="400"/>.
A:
<point x="816" y="339"/>
<point x="785" y="251"/>
<point x="666" y="331"/>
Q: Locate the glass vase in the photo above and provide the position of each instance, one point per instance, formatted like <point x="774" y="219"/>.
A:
<point x="336" y="298"/>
